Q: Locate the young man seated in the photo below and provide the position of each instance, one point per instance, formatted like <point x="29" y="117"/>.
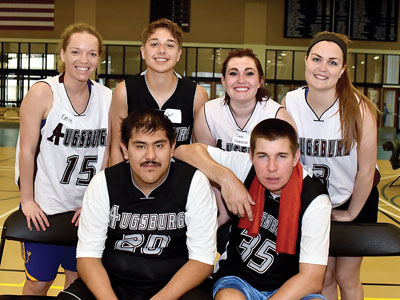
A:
<point x="282" y="253"/>
<point x="148" y="225"/>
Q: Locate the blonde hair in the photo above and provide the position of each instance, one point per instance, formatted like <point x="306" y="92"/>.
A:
<point x="66" y="37"/>
<point x="350" y="100"/>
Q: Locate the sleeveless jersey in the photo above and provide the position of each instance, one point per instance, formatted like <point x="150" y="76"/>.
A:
<point x="179" y="107"/>
<point x="254" y="258"/>
<point x="146" y="239"/>
<point x="223" y="127"/>
<point x="71" y="148"/>
<point x="320" y="142"/>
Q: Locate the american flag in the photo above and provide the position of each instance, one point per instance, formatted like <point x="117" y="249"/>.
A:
<point x="27" y="14"/>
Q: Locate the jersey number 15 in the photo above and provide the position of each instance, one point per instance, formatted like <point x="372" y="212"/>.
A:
<point x="87" y="170"/>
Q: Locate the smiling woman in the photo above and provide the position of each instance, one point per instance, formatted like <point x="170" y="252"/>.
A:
<point x="324" y="66"/>
<point x="338" y="140"/>
<point x="227" y="122"/>
<point x="59" y="118"/>
<point x="81" y="56"/>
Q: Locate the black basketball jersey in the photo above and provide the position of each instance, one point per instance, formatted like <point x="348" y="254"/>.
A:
<point x="254" y="259"/>
<point x="139" y="97"/>
<point x="146" y="239"/>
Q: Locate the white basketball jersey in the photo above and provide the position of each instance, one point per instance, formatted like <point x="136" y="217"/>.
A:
<point x="222" y="124"/>
<point x="320" y="142"/>
<point x="71" y="149"/>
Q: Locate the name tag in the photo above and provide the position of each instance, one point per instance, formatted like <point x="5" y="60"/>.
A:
<point x="174" y="115"/>
<point x="241" y="138"/>
<point x="67" y="119"/>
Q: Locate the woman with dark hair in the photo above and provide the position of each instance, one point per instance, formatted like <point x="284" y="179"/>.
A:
<point x="227" y="122"/>
<point x="338" y="139"/>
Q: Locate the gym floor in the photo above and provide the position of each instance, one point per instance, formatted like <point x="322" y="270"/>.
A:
<point x="380" y="276"/>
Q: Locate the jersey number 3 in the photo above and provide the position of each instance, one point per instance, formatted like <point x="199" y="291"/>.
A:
<point x="322" y="172"/>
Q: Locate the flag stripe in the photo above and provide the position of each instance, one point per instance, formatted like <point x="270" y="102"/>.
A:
<point x="14" y="5"/>
<point x="27" y="14"/>
<point x="22" y="10"/>
<point x="26" y="23"/>
<point x="26" y="19"/>
<point x="28" y="1"/>
<point x="10" y="27"/>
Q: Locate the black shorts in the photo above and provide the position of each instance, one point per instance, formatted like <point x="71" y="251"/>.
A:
<point x="79" y="290"/>
<point x="369" y="213"/>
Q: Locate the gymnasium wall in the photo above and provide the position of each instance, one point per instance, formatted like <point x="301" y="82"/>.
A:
<point x="232" y="22"/>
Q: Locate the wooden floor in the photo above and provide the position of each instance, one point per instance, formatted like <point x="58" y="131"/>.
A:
<point x="380" y="276"/>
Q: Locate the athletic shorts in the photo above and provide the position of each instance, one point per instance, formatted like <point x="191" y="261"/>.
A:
<point x="369" y="212"/>
<point x="43" y="260"/>
<point x="248" y="291"/>
<point x="78" y="290"/>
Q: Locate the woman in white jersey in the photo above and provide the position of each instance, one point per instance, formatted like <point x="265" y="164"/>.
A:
<point x="227" y="122"/>
<point x="63" y="144"/>
<point x="338" y="139"/>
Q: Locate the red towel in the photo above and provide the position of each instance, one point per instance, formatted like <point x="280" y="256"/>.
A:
<point x="289" y="210"/>
<point x="257" y="193"/>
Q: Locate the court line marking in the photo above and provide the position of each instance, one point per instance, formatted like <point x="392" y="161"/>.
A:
<point x="386" y="177"/>
<point x="9" y="212"/>
<point x="9" y="198"/>
<point x="388" y="212"/>
<point x="390" y="204"/>
<point x="54" y="287"/>
<point x="7" y="168"/>
<point x="61" y="288"/>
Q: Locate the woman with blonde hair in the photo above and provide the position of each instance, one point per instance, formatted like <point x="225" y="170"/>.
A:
<point x="63" y="143"/>
<point x="338" y="139"/>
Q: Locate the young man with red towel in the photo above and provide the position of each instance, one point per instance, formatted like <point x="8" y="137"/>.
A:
<point x="263" y="260"/>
